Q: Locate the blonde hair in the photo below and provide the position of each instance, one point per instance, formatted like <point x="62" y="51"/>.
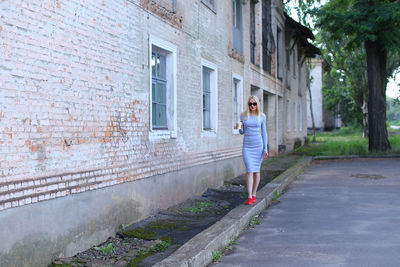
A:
<point x="246" y="113"/>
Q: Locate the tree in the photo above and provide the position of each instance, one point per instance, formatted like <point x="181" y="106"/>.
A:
<point x="345" y="86"/>
<point x="376" y="25"/>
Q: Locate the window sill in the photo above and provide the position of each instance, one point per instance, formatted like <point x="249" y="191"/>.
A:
<point x="155" y="135"/>
<point x="235" y="132"/>
<point x="208" y="133"/>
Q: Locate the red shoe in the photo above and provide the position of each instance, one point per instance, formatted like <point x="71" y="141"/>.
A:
<point x="249" y="201"/>
<point x="254" y="199"/>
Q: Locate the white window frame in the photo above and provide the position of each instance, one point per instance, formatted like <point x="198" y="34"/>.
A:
<point x="213" y="98"/>
<point x="301" y="116"/>
<point x="171" y="66"/>
<point x="295" y="116"/>
<point x="288" y="114"/>
<point x="239" y="98"/>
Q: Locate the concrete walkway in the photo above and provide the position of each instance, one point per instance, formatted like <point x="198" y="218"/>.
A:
<point x="337" y="213"/>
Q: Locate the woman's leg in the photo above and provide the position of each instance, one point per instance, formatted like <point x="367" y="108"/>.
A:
<point x="255" y="183"/>
<point x="249" y="183"/>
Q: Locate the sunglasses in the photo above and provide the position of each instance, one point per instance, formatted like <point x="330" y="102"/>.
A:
<point x="252" y="104"/>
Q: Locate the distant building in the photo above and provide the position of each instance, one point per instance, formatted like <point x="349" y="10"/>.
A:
<point x="113" y="110"/>
<point x="323" y="119"/>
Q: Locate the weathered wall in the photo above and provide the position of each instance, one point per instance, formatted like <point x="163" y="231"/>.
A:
<point x="36" y="234"/>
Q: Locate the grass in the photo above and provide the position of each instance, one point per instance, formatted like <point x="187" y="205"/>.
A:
<point x="346" y="141"/>
<point x="216" y="256"/>
<point x="199" y="207"/>
<point x="254" y="220"/>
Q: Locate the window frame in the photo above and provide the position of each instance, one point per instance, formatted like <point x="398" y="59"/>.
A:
<point x="213" y="69"/>
<point x="237" y="25"/>
<point x="157" y="81"/>
<point x="239" y="88"/>
<point x="211" y="4"/>
<point x="253" y="43"/>
<point x="288" y="115"/>
<point x="170" y="50"/>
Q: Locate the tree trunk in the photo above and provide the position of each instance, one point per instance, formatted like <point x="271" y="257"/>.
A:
<point x="377" y="80"/>
<point x="312" y="114"/>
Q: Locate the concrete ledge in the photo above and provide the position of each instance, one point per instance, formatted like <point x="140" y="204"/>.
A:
<point x="198" y="250"/>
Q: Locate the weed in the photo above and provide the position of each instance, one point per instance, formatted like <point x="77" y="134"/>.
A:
<point x="277" y="196"/>
<point x="122" y="227"/>
<point x="233" y="240"/>
<point x="229" y="247"/>
<point x="254" y="220"/>
<point x="216" y="255"/>
<point x="106" y="249"/>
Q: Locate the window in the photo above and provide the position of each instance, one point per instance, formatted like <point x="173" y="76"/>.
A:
<point x="301" y="116"/>
<point x="237" y="101"/>
<point x="279" y="54"/>
<point x="159" y="90"/>
<point x="237" y="25"/>
<point x="163" y="117"/>
<point x="206" y="99"/>
<point x="210" y="4"/>
<point x="252" y="31"/>
<point x="209" y="96"/>
<point x="288" y="114"/>
<point x="294" y="62"/>
<point x="295" y="116"/>
<point x="267" y="37"/>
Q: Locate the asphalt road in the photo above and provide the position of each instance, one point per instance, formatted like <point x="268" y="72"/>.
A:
<point x="337" y="213"/>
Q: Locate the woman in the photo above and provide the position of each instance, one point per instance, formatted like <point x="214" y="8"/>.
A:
<point x="253" y="126"/>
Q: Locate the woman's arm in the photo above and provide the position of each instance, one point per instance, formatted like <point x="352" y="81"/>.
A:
<point x="264" y="133"/>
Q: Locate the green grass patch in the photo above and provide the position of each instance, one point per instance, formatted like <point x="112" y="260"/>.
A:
<point x="199" y="207"/>
<point x="144" y="253"/>
<point x="346" y="141"/>
<point x="141" y="233"/>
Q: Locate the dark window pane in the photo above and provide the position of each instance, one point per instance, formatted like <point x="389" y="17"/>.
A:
<point x="163" y="64"/>
<point x="153" y="114"/>
<point x="206" y="81"/>
<point x="162" y="93"/>
<point x="153" y="91"/>
<point x="153" y="64"/>
<point x="162" y="115"/>
<point x="206" y="120"/>
<point x="207" y="102"/>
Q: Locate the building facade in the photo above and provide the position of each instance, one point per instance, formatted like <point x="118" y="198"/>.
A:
<point x="323" y="119"/>
<point x="113" y="110"/>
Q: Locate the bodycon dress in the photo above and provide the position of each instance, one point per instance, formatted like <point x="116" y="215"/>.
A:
<point x="254" y="142"/>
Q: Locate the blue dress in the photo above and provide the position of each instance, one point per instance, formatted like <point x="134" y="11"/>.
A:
<point x="254" y="142"/>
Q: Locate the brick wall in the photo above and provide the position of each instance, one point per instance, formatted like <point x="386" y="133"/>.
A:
<point x="74" y="110"/>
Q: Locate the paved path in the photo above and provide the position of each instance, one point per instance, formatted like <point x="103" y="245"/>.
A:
<point x="337" y="213"/>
